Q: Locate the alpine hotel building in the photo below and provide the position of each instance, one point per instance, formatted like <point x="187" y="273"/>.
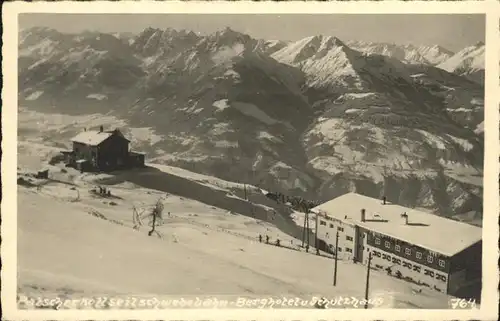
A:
<point x="433" y="251"/>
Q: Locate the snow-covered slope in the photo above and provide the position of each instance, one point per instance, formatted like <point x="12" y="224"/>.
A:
<point x="432" y="55"/>
<point x="270" y="46"/>
<point x="468" y="62"/>
<point x="205" y="249"/>
<point x="294" y="119"/>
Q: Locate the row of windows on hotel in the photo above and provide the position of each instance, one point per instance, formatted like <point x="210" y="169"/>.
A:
<point x="397" y="248"/>
<point x="408" y="265"/>
<point x="331" y="225"/>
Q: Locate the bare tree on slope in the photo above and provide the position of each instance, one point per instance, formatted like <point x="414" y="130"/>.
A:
<point x="156" y="217"/>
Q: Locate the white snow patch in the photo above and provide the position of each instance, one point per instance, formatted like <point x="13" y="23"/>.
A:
<point x="282" y="165"/>
<point x="226" y="144"/>
<point x="458" y="110"/>
<point x="465" y="144"/>
<point x="358" y="95"/>
<point x="35" y="95"/>
<point x="232" y="73"/>
<point x="480" y="128"/>
<point x="221" y="129"/>
<point x="353" y="111"/>
<point x="227" y="53"/>
<point x="145" y="134"/>
<point x="328" y="164"/>
<point x="433" y="139"/>
<point x="477" y="101"/>
<point x="266" y="135"/>
<point x="331" y="129"/>
<point x="221" y="104"/>
<point x="97" y="96"/>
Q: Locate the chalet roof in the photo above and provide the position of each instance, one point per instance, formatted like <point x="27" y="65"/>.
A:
<point x="91" y="137"/>
<point x="429" y="231"/>
<point x="94" y="137"/>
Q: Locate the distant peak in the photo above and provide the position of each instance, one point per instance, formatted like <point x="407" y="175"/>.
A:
<point x="321" y="41"/>
<point x="228" y="36"/>
<point x="335" y="41"/>
<point x="227" y="31"/>
<point x="148" y="31"/>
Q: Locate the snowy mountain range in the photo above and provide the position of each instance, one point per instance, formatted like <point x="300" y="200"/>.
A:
<point x="317" y="117"/>
<point x="467" y="62"/>
<point x="431" y="55"/>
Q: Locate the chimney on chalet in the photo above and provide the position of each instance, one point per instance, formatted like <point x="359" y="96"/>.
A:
<point x="384" y="200"/>
<point x="363" y="215"/>
<point x="101" y="129"/>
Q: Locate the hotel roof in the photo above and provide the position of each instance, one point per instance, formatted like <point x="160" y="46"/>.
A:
<point x="430" y="231"/>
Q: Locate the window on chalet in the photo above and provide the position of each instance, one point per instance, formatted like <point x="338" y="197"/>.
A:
<point x="441" y="263"/>
<point x="348" y="250"/>
<point x="322" y="223"/>
<point x="377" y="241"/>
<point x="387" y="244"/>
<point x="349" y="238"/>
<point x="397" y="248"/>
<point x="340" y="249"/>
<point x="408" y="251"/>
<point x="341" y="229"/>
<point x="430" y="259"/>
<point x="331" y="225"/>
<point x="419" y="255"/>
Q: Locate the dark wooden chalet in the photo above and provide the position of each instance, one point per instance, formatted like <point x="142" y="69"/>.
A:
<point x="102" y="151"/>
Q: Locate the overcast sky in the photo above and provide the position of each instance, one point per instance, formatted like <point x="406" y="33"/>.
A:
<point x="452" y="31"/>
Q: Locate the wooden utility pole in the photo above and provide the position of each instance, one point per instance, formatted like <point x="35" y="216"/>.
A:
<point x="316" y="234"/>
<point x="245" y="189"/>
<point x="307" y="228"/>
<point x="304" y="230"/>
<point x="336" y="258"/>
<point x="368" y="278"/>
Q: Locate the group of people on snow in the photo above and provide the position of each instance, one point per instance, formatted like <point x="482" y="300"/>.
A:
<point x="104" y="191"/>
<point x="278" y="242"/>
